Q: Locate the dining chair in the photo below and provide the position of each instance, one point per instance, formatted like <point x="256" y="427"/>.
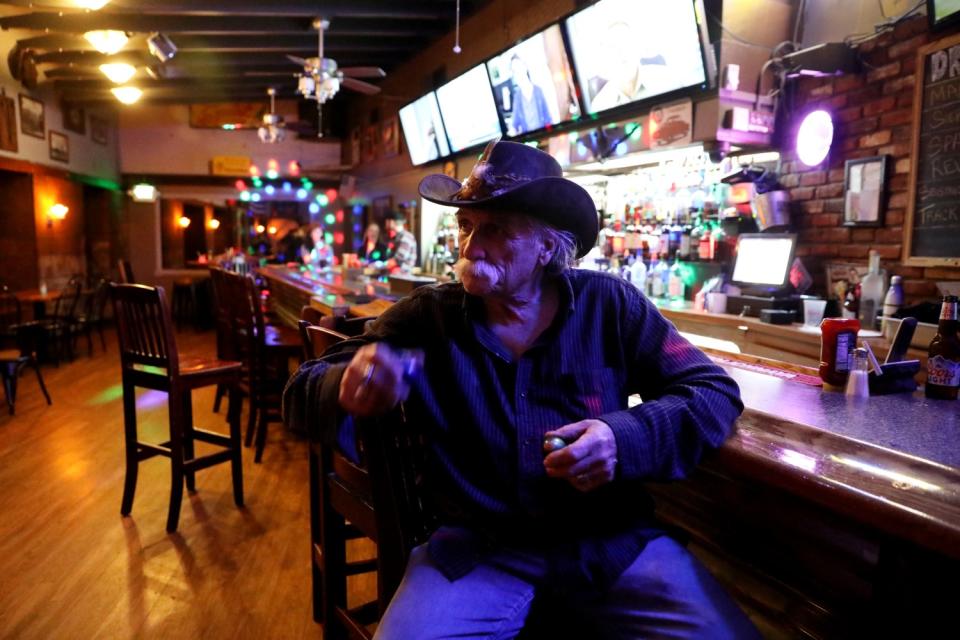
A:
<point x="12" y="361"/>
<point x="149" y="358"/>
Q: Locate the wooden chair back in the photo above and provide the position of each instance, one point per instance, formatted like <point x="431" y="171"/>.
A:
<point x="126" y="272"/>
<point x="322" y="339"/>
<point x="144" y="330"/>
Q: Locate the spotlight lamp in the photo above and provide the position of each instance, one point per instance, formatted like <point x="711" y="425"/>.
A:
<point x="161" y="47"/>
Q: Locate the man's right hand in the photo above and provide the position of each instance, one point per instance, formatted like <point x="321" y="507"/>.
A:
<point x="374" y="381"/>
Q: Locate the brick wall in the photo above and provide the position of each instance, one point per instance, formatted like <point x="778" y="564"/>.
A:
<point x="873" y="115"/>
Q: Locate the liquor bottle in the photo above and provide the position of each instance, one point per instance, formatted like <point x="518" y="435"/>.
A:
<point x="943" y="358"/>
<point x="657" y="270"/>
<point x="894" y="299"/>
<point x="675" y="286"/>
<point x="871" y="293"/>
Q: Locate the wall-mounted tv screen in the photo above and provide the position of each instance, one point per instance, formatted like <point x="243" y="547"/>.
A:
<point x="423" y="130"/>
<point x="943" y="13"/>
<point x="533" y="84"/>
<point x="630" y="50"/>
<point x="468" y="110"/>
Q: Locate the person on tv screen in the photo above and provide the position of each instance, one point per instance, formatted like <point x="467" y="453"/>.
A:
<point x="633" y="72"/>
<point x="530" y="111"/>
<point x="517" y="376"/>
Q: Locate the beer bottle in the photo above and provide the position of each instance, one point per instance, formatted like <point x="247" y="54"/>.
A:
<point x="943" y="363"/>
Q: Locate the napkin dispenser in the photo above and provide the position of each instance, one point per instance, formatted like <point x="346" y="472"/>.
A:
<point x="896" y="374"/>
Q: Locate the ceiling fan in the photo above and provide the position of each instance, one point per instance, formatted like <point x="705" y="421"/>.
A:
<point x="321" y="78"/>
<point x="273" y="128"/>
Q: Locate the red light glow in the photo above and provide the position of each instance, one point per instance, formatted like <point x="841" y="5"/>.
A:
<point x="240" y="185"/>
<point x="293" y="168"/>
<point x="338" y="237"/>
<point x="331" y="194"/>
<point x="340" y="215"/>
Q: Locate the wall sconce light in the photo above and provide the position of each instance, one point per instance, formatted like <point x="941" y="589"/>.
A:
<point x="260" y="228"/>
<point x="213" y="224"/>
<point x="184" y="222"/>
<point x="144" y="192"/>
<point x="106" y="41"/>
<point x="814" y="137"/>
<point x="56" y="212"/>
<point x="272" y="229"/>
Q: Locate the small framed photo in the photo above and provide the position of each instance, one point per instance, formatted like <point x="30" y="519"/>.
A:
<point x="98" y="130"/>
<point x="74" y="118"/>
<point x="59" y="147"/>
<point x="390" y="137"/>
<point x="32" y="121"/>
<point x="865" y="182"/>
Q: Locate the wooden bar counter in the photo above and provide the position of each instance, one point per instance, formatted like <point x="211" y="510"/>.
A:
<point x="329" y="292"/>
<point x="829" y="517"/>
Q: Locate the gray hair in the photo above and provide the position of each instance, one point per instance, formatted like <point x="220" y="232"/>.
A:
<point x="565" y="243"/>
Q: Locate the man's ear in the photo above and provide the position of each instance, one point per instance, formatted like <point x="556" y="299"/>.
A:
<point x="547" y="248"/>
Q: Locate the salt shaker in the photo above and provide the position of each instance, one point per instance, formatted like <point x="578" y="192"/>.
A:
<point x="858" y="384"/>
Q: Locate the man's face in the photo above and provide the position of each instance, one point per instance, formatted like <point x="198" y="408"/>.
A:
<point x="499" y="252"/>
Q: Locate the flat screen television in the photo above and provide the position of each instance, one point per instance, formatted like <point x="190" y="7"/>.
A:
<point x="625" y="51"/>
<point x="943" y="13"/>
<point x="466" y="104"/>
<point x="423" y="130"/>
<point x="533" y="83"/>
<point x="763" y="260"/>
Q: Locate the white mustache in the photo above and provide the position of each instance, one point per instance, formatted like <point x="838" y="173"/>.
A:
<point x="476" y="269"/>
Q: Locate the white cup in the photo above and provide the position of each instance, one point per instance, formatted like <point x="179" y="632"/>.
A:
<point x="716" y="302"/>
<point x="813" y="312"/>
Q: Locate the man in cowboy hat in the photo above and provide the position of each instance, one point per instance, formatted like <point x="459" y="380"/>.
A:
<point x="536" y="462"/>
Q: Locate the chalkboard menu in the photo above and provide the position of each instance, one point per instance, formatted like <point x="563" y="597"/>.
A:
<point x="933" y="217"/>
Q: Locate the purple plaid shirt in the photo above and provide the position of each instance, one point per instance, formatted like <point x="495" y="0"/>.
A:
<point x="485" y="412"/>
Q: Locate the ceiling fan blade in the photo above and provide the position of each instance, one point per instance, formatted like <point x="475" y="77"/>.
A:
<point x="270" y="74"/>
<point x="300" y="61"/>
<point x="361" y="86"/>
<point x="363" y="72"/>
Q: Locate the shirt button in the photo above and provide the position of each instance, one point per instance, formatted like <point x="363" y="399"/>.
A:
<point x="523" y="394"/>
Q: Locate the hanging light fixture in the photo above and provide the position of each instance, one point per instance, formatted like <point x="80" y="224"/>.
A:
<point x="90" y="5"/>
<point x="107" y="41"/>
<point x="118" y="72"/>
<point x="126" y="94"/>
<point x="184" y="222"/>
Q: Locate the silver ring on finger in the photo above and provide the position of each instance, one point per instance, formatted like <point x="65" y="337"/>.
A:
<point x="368" y="374"/>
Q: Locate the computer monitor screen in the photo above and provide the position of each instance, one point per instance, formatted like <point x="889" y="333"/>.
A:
<point x="630" y="50"/>
<point x="533" y="84"/>
<point x="466" y="104"/>
<point x="763" y="260"/>
<point x="423" y="130"/>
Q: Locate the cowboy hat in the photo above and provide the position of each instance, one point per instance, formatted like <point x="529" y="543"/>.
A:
<point x="510" y="176"/>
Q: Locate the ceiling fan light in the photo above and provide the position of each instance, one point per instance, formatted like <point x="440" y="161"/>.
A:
<point x="106" y="41"/>
<point x="127" y="95"/>
<point x="118" y="72"/>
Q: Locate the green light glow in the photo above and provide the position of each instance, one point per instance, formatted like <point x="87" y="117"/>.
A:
<point x="329" y="218"/>
<point x="107" y="395"/>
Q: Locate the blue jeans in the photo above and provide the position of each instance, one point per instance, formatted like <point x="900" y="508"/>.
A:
<point x="665" y="593"/>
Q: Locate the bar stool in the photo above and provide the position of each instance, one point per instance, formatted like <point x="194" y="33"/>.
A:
<point x="149" y="359"/>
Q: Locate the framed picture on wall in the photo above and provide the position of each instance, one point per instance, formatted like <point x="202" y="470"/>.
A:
<point x="32" y="121"/>
<point x="59" y="147"/>
<point x="8" y="124"/>
<point x="98" y="130"/>
<point x="864" y="187"/>
<point x="390" y="137"/>
<point x="74" y="118"/>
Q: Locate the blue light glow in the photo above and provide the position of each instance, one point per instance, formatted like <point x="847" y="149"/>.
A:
<point x="301" y="194"/>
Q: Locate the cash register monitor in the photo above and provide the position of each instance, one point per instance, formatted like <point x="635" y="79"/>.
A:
<point x="763" y="262"/>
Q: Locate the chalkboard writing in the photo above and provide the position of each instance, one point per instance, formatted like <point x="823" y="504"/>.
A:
<point x="933" y="219"/>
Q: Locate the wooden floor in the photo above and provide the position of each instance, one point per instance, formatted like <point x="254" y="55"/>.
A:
<point x="72" y="567"/>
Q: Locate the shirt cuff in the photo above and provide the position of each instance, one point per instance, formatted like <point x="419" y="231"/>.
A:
<point x="633" y="459"/>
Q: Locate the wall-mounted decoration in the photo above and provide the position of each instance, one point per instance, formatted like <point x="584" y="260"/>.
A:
<point x="865" y="182"/>
<point x="369" y="143"/>
<point x="843" y="277"/>
<point x="355" y="137"/>
<point x="59" y="147"/>
<point x="390" y="137"/>
<point x="32" y="121"/>
<point x="99" y="130"/>
<point x="932" y="224"/>
<point x="227" y="115"/>
<point x="8" y="124"/>
<point x="671" y="125"/>
<point x="74" y="118"/>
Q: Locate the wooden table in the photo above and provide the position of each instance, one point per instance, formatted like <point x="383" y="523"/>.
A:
<point x="39" y="300"/>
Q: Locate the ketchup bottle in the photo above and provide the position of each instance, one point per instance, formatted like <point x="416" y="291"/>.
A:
<point x="837" y="342"/>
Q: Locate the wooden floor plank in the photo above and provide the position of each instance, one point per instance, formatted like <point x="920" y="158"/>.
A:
<point x="72" y="567"/>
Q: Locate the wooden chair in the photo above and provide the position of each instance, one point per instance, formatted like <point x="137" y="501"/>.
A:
<point x="263" y="349"/>
<point x="149" y="359"/>
<point x="126" y="272"/>
<point x="13" y="361"/>
<point x="91" y="315"/>
<point x="59" y="327"/>
<point x="11" y="315"/>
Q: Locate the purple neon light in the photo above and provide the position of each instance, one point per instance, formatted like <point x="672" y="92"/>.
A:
<point x="814" y="137"/>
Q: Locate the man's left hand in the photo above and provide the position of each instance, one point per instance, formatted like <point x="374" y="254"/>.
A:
<point x="590" y="458"/>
